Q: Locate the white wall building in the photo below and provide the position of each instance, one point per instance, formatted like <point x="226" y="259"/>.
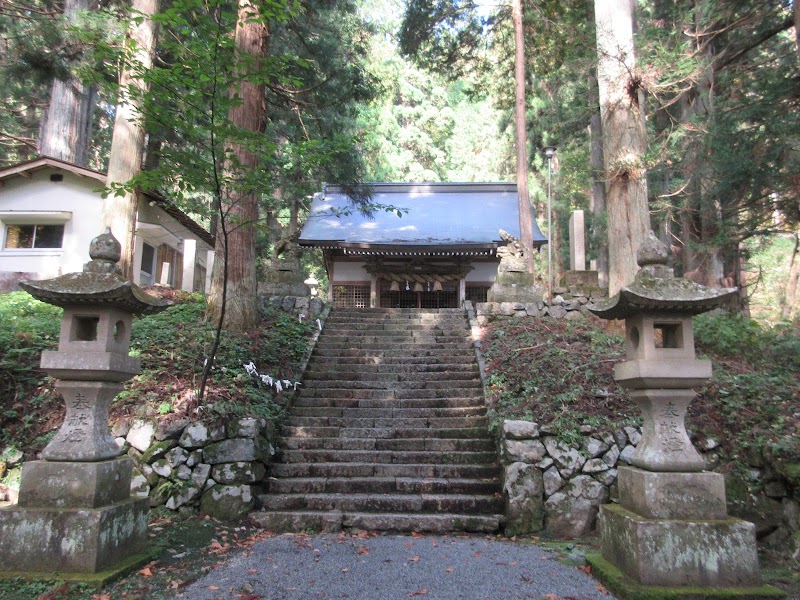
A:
<point x="50" y="210"/>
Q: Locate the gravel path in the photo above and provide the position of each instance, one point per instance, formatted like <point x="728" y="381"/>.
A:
<point x="392" y="568"/>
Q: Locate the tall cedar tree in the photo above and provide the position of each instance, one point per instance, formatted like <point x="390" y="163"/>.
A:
<point x="127" y="144"/>
<point x="623" y="140"/>
<point x="233" y="290"/>
<point x="66" y="125"/>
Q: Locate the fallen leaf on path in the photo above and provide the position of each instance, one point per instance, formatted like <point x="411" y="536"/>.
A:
<point x="551" y="596"/>
<point x="249" y="596"/>
<point x="449" y="570"/>
<point x="252" y="571"/>
<point x="526" y="579"/>
<point x="345" y="570"/>
<point x="362" y="550"/>
<point x="408" y="544"/>
<point x="146" y="572"/>
<point x="586" y="569"/>
<point x="420" y="592"/>
<point x="477" y="555"/>
<point x="213" y="588"/>
<point x="600" y="588"/>
<point x="416" y="535"/>
<point x="414" y="559"/>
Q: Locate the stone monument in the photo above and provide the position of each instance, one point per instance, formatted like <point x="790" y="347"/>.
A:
<point x="75" y="515"/>
<point x="578" y="277"/>
<point x="670" y="532"/>
<point x="513" y="282"/>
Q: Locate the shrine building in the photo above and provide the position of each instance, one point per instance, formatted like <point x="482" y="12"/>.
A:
<point x="442" y="250"/>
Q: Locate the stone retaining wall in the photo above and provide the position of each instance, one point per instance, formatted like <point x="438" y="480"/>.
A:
<point x="557" y="488"/>
<point x="311" y="307"/>
<point x="189" y="465"/>
<point x="567" y="303"/>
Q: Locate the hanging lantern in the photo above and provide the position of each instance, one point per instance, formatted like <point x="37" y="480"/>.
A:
<point x="437" y="286"/>
<point x="395" y="287"/>
<point x="408" y="287"/>
<point x="418" y="287"/>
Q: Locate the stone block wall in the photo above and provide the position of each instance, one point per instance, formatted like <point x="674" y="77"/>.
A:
<point x="550" y="486"/>
<point x="567" y="303"/>
<point x="311" y="307"/>
<point x="190" y="465"/>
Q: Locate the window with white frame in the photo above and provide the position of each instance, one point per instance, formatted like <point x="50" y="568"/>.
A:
<point x="32" y="236"/>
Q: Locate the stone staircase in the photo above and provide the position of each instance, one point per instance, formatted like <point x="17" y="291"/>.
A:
<point x="389" y="432"/>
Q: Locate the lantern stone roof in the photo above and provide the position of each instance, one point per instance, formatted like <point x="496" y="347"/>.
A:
<point x="656" y="289"/>
<point x="100" y="284"/>
<point x="432" y="215"/>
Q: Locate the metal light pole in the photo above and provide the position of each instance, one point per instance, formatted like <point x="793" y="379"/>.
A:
<point x="549" y="152"/>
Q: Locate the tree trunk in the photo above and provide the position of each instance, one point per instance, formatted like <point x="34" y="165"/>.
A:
<point x="623" y="140"/>
<point x="67" y="122"/>
<point x="233" y="296"/>
<point x="525" y="213"/>
<point x="702" y="259"/>
<point x="127" y="143"/>
<point x="790" y="308"/>
<point x="598" y="197"/>
<point x="797" y="24"/>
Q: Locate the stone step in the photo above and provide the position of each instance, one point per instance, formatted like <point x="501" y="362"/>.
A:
<point x="394" y="337"/>
<point x="406" y="326"/>
<point x="403" y="347"/>
<point x="403" y="444"/>
<point x="428" y="423"/>
<point x="313" y="401"/>
<point x="387" y="413"/>
<point x="389" y="354"/>
<point x="394" y="361"/>
<point x="322" y="369"/>
<point x="397" y="383"/>
<point x="355" y="469"/>
<point x="366" y="375"/>
<point x="383" y="485"/>
<point x="377" y="502"/>
<point x="334" y="521"/>
<point x="396" y="457"/>
<point x="372" y="393"/>
<point x="397" y="313"/>
<point x="387" y="432"/>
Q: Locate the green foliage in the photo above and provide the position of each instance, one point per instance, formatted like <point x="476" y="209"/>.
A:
<point x="754" y="391"/>
<point x="557" y="373"/>
<point x="172" y="345"/>
<point x="560" y="374"/>
<point x="423" y="127"/>
<point x="27" y="327"/>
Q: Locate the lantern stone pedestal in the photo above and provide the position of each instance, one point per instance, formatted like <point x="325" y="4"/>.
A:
<point x="669" y="536"/>
<point x="75" y="518"/>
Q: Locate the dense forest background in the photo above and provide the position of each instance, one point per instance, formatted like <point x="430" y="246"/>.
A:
<point x="349" y="91"/>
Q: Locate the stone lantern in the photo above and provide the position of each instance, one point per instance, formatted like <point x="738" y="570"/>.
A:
<point x="670" y="527"/>
<point x="75" y="513"/>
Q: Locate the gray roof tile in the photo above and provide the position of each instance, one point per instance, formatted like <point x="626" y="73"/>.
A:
<point x="438" y="214"/>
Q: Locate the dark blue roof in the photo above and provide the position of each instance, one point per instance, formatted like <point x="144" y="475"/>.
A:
<point x="438" y="214"/>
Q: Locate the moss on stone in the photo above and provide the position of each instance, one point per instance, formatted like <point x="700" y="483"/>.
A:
<point x="626" y="588"/>
<point x="96" y="580"/>
<point x="790" y="470"/>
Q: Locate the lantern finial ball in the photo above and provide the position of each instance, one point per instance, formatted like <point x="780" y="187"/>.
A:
<point x="652" y="251"/>
<point x="105" y="247"/>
